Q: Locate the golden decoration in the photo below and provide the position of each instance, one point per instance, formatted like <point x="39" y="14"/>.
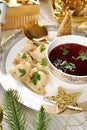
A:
<point x="64" y="99"/>
<point x="1" y="114"/>
<point x="78" y="8"/>
<point x="64" y="5"/>
<point x="66" y="25"/>
<point x="1" y="117"/>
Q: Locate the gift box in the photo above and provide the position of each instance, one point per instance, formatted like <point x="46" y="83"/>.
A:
<point x="18" y="15"/>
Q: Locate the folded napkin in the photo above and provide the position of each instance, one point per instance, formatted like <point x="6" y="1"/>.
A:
<point x="46" y="13"/>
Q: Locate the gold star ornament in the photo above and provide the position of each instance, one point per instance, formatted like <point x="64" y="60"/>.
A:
<point x="64" y="99"/>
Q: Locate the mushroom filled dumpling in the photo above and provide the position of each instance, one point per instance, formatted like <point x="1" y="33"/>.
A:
<point x="29" y="46"/>
<point x="20" y="71"/>
<point x="43" y="65"/>
<point x="36" y="81"/>
<point x="39" y="53"/>
<point x="22" y="57"/>
<point x="31" y="67"/>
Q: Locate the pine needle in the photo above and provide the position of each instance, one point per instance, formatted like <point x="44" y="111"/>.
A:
<point x="14" y="111"/>
<point x="42" y="120"/>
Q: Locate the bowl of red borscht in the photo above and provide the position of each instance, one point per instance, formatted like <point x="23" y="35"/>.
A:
<point x="67" y="58"/>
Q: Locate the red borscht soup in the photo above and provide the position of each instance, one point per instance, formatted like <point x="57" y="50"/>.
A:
<point x="71" y="58"/>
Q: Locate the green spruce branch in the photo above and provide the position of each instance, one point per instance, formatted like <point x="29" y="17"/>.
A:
<point x="15" y="114"/>
<point x="42" y="120"/>
<point x="14" y="111"/>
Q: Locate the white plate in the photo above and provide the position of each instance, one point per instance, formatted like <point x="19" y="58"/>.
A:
<point x="30" y="99"/>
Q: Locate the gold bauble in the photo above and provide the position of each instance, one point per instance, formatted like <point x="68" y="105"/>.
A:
<point x="1" y="114"/>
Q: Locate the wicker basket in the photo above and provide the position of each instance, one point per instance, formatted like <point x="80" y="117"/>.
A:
<point x="17" y="16"/>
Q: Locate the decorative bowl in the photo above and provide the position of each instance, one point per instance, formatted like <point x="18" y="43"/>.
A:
<point x="62" y="74"/>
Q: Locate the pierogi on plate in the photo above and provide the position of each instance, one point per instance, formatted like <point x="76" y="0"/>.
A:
<point x="31" y="67"/>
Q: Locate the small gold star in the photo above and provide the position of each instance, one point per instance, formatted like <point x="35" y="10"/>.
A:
<point x="63" y="99"/>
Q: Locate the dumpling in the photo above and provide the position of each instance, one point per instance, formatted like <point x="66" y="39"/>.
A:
<point x="31" y="68"/>
<point x="39" y="53"/>
<point x="43" y="65"/>
<point x="36" y="81"/>
<point x="20" y="71"/>
<point x="29" y="46"/>
<point x="22" y="57"/>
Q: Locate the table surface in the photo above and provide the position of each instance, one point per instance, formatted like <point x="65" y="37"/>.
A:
<point x="58" y="122"/>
